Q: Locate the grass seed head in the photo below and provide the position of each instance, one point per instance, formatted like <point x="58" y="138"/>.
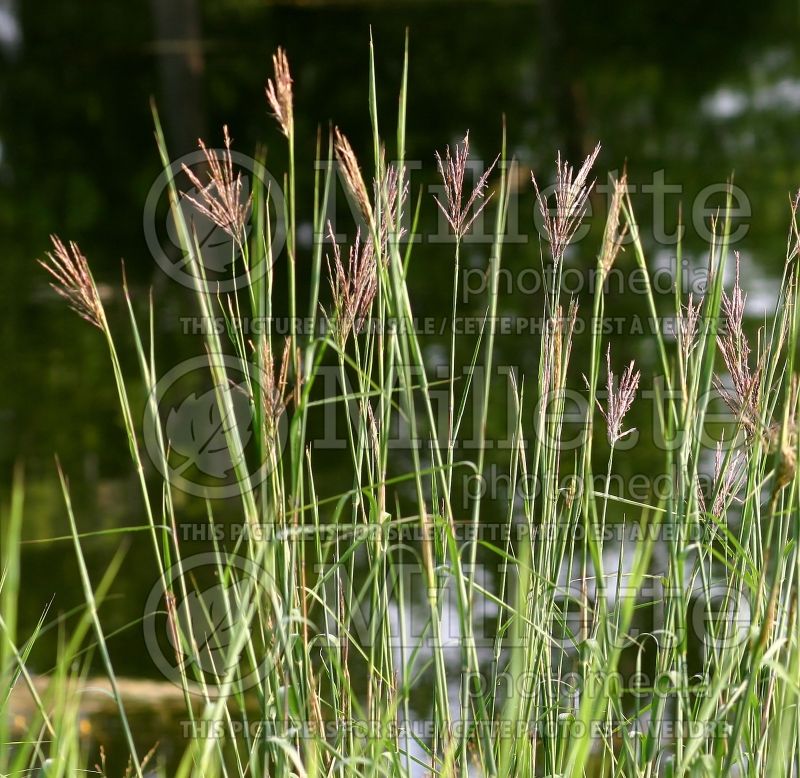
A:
<point x="73" y="281"/>
<point x="744" y="397"/>
<point x="279" y="93"/>
<point x="614" y="235"/>
<point x="274" y="380"/>
<point x="353" y="286"/>
<point x="571" y="195"/>
<point x="620" y="399"/>
<point x="352" y="173"/>
<point x="220" y="199"/>
<point x="452" y="170"/>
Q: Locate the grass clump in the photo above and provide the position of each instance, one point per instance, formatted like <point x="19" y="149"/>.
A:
<point x="337" y="645"/>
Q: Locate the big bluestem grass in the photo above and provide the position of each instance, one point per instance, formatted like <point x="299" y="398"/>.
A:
<point x="324" y="631"/>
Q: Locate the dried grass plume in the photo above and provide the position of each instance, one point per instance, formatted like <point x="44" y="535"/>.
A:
<point x="279" y="93"/>
<point x="620" y="399"/>
<point x="614" y="234"/>
<point x="571" y="194"/>
<point x="351" y="173"/>
<point x="452" y="170"/>
<point x="73" y="281"/>
<point x="744" y="397"/>
<point x="353" y="286"/>
<point x="220" y="199"/>
<point x="274" y="385"/>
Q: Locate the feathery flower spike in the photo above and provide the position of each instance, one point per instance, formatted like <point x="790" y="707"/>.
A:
<point x="353" y="287"/>
<point x="744" y="398"/>
<point x="279" y="92"/>
<point x="276" y="395"/>
<point x="220" y="200"/>
<point x="452" y="170"/>
<point x="73" y="281"/>
<point x="352" y="173"/>
<point x="571" y="193"/>
<point x="620" y="399"/>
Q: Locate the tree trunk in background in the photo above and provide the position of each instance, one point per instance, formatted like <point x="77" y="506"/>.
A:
<point x="179" y="52"/>
<point x="557" y="81"/>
